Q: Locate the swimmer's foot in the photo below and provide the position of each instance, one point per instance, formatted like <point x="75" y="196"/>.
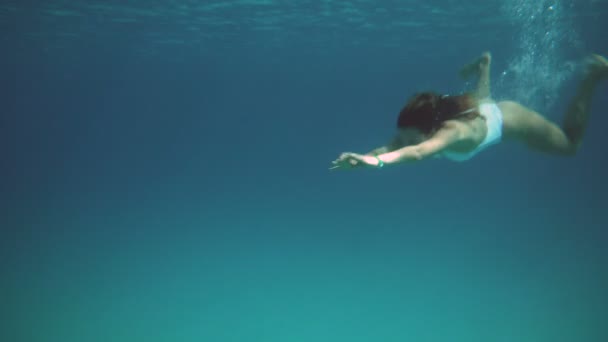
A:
<point x="477" y="66"/>
<point x="596" y="67"/>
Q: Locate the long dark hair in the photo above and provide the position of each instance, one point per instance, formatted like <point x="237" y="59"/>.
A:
<point x="427" y="111"/>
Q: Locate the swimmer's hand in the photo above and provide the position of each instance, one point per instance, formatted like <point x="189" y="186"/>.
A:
<point x="349" y="160"/>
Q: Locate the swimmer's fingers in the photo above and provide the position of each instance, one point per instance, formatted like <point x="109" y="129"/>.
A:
<point x="340" y="164"/>
<point x="346" y="161"/>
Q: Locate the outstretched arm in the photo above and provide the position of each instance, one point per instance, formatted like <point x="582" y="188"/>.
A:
<point x="443" y="139"/>
<point x="440" y="141"/>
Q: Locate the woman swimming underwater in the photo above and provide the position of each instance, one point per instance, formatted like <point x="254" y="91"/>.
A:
<point x="459" y="127"/>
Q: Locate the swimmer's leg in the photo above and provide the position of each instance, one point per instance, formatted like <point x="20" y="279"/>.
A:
<point x="577" y="114"/>
<point x="523" y="124"/>
<point x="481" y="69"/>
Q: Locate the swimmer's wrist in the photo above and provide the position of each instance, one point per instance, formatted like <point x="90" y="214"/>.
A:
<point x="378" y="163"/>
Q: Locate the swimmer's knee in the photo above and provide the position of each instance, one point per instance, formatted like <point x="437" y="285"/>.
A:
<point x="572" y="149"/>
<point x="569" y="151"/>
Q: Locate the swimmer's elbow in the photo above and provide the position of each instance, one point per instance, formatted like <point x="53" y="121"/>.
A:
<point x="429" y="148"/>
<point x="418" y="153"/>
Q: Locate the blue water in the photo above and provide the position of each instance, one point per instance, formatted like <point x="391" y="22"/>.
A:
<point x="164" y="174"/>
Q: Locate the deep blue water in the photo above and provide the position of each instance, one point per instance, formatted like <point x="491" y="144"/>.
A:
<point x="164" y="174"/>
